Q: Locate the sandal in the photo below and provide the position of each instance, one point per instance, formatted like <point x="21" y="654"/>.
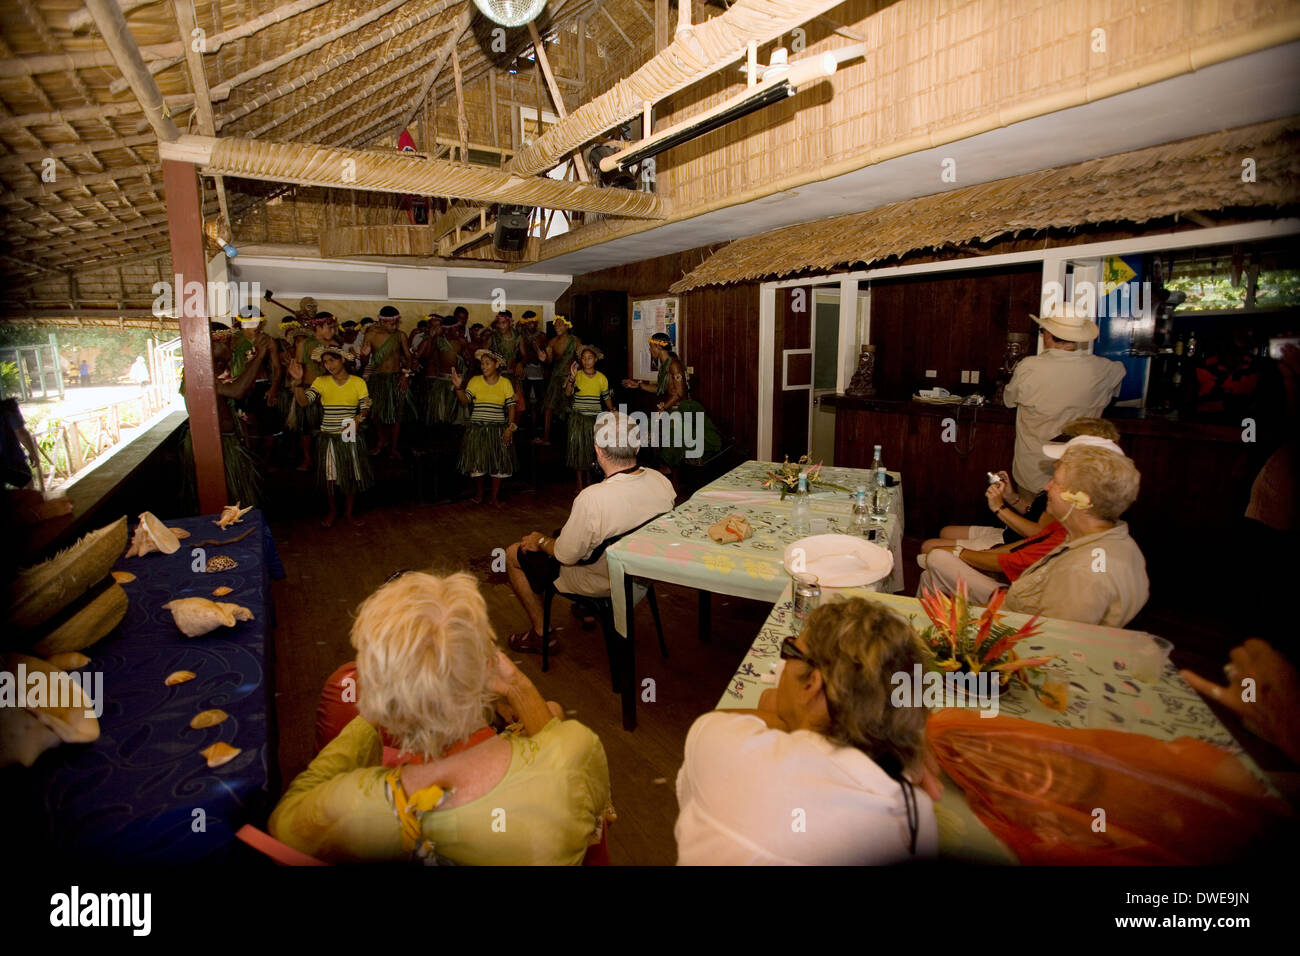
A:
<point x="585" y="616"/>
<point x="530" y="642"/>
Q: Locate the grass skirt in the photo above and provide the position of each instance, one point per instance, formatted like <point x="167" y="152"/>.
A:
<point x="440" y="404"/>
<point x="556" y="400"/>
<point x="482" y="450"/>
<point x="675" y="457"/>
<point x="346" y="463"/>
<point x="243" y="483"/>
<point x="582" y="441"/>
<point x="388" y="401"/>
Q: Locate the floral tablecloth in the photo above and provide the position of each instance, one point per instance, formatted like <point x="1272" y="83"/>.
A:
<point x="677" y="549"/>
<point x="1103" y="694"/>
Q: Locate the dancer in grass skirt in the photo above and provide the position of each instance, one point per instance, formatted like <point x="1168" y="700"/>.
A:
<point x="674" y="396"/>
<point x="488" y="446"/>
<point x="560" y="352"/>
<point x="589" y="393"/>
<point x="341" y="459"/>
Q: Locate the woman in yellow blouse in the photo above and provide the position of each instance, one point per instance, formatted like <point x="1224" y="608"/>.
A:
<point x="590" y="395"/>
<point x="488" y="446"/>
<point x="344" y="403"/>
<point x="429" y="673"/>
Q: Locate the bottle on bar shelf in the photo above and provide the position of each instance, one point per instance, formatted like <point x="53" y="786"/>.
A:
<point x="880" y="500"/>
<point x="801" y="510"/>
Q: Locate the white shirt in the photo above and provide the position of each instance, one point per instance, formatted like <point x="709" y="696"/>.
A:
<point x="1048" y="390"/>
<point x="613" y="506"/>
<point x="750" y="794"/>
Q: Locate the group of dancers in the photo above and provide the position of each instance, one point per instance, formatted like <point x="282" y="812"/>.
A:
<point x="335" y="385"/>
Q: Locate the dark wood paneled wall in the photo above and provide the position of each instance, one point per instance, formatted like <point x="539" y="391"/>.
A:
<point x="948" y="323"/>
<point x="719" y="338"/>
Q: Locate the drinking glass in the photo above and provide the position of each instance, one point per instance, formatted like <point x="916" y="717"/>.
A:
<point x="1055" y="693"/>
<point x="1147" y="656"/>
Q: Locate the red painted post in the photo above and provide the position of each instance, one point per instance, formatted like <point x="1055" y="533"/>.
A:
<point x="185" y="231"/>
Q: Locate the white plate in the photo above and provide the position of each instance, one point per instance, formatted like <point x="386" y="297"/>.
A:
<point x="840" y="560"/>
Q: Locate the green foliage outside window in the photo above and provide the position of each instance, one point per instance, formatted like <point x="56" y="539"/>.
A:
<point x="1275" y="288"/>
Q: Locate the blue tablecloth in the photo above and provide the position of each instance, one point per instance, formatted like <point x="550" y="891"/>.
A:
<point x="133" y="795"/>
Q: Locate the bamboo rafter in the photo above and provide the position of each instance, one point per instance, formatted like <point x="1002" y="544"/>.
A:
<point x="704" y="50"/>
<point x="369" y="170"/>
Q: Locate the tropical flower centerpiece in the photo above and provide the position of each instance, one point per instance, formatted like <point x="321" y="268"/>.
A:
<point x="957" y="640"/>
<point x="788" y="479"/>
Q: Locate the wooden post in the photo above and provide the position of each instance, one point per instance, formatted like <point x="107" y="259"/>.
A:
<point x="661" y="23"/>
<point x="185" y="229"/>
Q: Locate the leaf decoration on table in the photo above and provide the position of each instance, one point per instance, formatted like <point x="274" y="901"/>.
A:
<point x="788" y="480"/>
<point x="956" y="640"/>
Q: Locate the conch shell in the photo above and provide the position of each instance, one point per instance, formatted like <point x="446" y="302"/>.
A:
<point x="152" y="535"/>
<point x="196" y="616"/>
<point x="232" y="514"/>
<point x="27" y="732"/>
<point x="219" y="753"/>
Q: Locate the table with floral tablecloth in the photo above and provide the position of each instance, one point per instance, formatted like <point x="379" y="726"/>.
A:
<point x="676" y="548"/>
<point x="1103" y="694"/>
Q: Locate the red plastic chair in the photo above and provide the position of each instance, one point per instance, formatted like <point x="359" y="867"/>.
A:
<point x="269" y="846"/>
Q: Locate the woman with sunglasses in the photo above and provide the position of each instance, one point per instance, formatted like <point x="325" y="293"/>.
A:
<point x="827" y="771"/>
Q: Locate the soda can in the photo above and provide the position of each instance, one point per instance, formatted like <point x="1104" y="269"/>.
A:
<point x="807" y="595"/>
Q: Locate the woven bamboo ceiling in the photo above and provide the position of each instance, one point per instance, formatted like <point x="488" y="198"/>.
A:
<point x="344" y="73"/>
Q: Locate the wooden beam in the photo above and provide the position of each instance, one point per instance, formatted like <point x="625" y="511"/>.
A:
<point x="309" y="164"/>
<point x="189" y="263"/>
<point x="80" y="19"/>
<point x="614" y="24"/>
<point x="462" y="126"/>
<point x="84" y="113"/>
<point x="51" y="190"/>
<point x="457" y="217"/>
<point x="459" y="27"/>
<point x="186" y="23"/>
<point x="112" y="27"/>
<point x="85" y="148"/>
<point x="661" y="24"/>
<point x="316" y="72"/>
<point x="223" y="91"/>
<point x="544" y="64"/>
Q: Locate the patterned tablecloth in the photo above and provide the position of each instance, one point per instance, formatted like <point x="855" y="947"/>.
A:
<point x="676" y="548"/>
<point x="1103" y="694"/>
<point x="134" y="795"/>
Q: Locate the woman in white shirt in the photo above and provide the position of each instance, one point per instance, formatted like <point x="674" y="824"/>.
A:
<point x="826" y="771"/>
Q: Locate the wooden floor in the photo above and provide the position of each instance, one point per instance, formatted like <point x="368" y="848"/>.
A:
<point x="330" y="572"/>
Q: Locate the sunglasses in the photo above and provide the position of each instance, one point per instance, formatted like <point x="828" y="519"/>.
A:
<point x="396" y="574"/>
<point x="791" y="652"/>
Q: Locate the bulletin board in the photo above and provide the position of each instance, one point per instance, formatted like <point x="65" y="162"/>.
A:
<point x="648" y="317"/>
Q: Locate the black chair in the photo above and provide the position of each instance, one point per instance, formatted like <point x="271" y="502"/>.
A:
<point x="604" y="607"/>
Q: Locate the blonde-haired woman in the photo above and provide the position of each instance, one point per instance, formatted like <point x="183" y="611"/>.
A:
<point x="826" y="746"/>
<point x="429" y="675"/>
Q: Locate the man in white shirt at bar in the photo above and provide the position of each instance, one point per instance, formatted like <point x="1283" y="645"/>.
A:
<point x="628" y="497"/>
<point x="1061" y="383"/>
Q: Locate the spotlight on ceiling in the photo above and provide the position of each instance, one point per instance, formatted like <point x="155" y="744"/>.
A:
<point x="510" y="13"/>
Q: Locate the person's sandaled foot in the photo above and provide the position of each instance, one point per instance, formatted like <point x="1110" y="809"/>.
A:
<point x="328" y="522"/>
<point x="585" y="616"/>
<point x="530" y="642"/>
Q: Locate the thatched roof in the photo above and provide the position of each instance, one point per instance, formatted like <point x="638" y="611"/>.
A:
<point x="337" y="73"/>
<point x="1198" y="175"/>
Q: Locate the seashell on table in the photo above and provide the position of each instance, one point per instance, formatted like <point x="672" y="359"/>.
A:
<point x="221" y="562"/>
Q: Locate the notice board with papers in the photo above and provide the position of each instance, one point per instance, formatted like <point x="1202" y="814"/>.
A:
<point x="648" y="317"/>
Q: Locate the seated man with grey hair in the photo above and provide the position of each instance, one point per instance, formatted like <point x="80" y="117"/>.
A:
<point x="1097" y="575"/>
<point x="628" y="497"/>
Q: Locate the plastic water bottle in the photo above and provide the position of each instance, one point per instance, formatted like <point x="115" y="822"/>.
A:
<point x="861" y="511"/>
<point x="801" y="511"/>
<point x="880" y="500"/>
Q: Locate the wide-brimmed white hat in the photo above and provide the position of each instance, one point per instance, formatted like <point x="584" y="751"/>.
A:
<point x="1071" y="328"/>
<point x="1057" y="449"/>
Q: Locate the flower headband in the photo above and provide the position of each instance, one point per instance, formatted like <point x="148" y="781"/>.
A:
<point x="561" y="320"/>
<point x="661" y="338"/>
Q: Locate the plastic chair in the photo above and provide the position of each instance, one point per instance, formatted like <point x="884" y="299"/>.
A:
<point x="269" y="846"/>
